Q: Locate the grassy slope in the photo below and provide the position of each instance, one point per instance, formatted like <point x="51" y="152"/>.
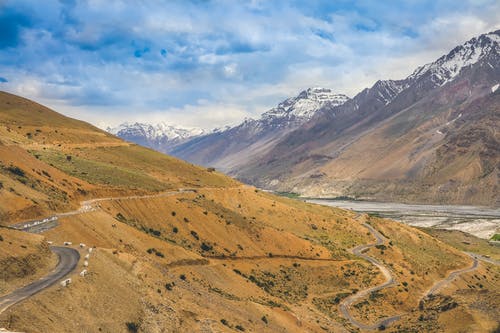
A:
<point x="223" y="258"/>
<point x="466" y="242"/>
<point x="50" y="162"/>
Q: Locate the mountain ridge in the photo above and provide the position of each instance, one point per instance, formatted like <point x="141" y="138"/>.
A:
<point x="291" y="112"/>
<point x="468" y="72"/>
<point x="160" y="136"/>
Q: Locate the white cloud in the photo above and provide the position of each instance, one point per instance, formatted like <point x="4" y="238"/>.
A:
<point x="231" y="70"/>
<point x="225" y="60"/>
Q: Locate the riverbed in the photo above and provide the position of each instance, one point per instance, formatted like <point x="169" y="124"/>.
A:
<point x="482" y="222"/>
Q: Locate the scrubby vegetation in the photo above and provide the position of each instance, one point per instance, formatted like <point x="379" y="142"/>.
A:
<point x="100" y="171"/>
<point x="16" y="170"/>
<point x="155" y="251"/>
<point x="132" y="327"/>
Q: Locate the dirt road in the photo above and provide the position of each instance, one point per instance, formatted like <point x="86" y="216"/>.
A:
<point x="390" y="281"/>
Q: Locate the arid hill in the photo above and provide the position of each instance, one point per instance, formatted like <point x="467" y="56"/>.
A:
<point x="180" y="248"/>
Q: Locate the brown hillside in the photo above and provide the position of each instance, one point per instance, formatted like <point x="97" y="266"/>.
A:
<point x="50" y="163"/>
<point x="178" y="248"/>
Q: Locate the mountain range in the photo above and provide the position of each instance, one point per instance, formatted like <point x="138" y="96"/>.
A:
<point x="431" y="137"/>
<point x="160" y="136"/>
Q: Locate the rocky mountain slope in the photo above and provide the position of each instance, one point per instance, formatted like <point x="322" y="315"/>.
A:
<point x="181" y="248"/>
<point x="230" y="149"/>
<point x="431" y="137"/>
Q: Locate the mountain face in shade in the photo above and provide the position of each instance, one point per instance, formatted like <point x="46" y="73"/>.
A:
<point x="431" y="137"/>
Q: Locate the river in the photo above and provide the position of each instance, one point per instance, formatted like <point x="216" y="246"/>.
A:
<point x="482" y="222"/>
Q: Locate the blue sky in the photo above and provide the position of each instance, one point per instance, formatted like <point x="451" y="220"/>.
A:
<point x="211" y="63"/>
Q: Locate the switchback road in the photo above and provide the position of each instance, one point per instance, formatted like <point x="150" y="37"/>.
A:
<point x="390" y="281"/>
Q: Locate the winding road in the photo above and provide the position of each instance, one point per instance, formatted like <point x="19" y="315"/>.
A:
<point x="68" y="257"/>
<point x="68" y="260"/>
<point x="390" y="281"/>
<point x="483" y="258"/>
<point x="442" y="283"/>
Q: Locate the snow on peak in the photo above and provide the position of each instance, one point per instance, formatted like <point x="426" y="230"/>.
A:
<point x="306" y="104"/>
<point x="448" y="66"/>
<point x="222" y="129"/>
<point x="156" y="131"/>
<point x="387" y="90"/>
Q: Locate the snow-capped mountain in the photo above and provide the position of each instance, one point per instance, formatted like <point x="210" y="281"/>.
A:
<point x="306" y="104"/>
<point x="294" y="111"/>
<point x="387" y="90"/>
<point x="160" y="136"/>
<point x="156" y="131"/>
<point x="252" y="136"/>
<point x="449" y="66"/>
<point x="274" y="123"/>
<point x="429" y="137"/>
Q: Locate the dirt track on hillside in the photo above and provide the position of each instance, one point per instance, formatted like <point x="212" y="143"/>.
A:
<point x="390" y="281"/>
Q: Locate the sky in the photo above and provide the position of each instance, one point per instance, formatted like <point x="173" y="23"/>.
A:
<point x="204" y="63"/>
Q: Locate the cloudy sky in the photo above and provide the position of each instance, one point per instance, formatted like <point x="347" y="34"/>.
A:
<point x="211" y="63"/>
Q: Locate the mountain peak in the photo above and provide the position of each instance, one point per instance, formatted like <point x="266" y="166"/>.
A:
<point x="324" y="95"/>
<point x="306" y="104"/>
<point x="387" y="90"/>
<point x="448" y="66"/>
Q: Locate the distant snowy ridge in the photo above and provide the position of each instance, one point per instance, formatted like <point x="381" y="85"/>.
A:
<point x="288" y="114"/>
<point x="387" y="90"/>
<point x="161" y="136"/>
<point x="157" y="131"/>
<point x="300" y="108"/>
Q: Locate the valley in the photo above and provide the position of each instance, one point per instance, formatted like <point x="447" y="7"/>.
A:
<point x="94" y="205"/>
<point x="482" y="222"/>
<point x="177" y="247"/>
<point x="429" y="138"/>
